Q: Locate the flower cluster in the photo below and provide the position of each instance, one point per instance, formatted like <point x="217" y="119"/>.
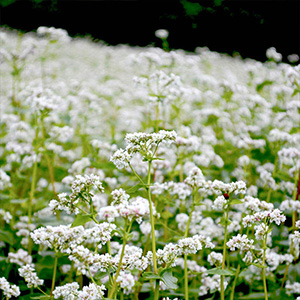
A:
<point x="8" y="289"/>
<point x="144" y="143"/>
<point x="184" y="246"/>
<point x="81" y="192"/>
<point x="27" y="271"/>
<point x="71" y="291"/>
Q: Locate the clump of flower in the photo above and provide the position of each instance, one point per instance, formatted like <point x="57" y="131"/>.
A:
<point x="27" y="271"/>
<point x="8" y="289"/>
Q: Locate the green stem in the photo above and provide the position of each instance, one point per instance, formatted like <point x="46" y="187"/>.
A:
<point x="137" y="176"/>
<point x="151" y="219"/>
<point x="263" y="270"/>
<point x="42" y="291"/>
<point x="234" y="282"/>
<point x="114" y="285"/>
<point x="157" y="117"/>
<point x="33" y="181"/>
<point x="224" y="255"/>
<point x="92" y="278"/>
<point x="54" y="276"/>
<point x="32" y="189"/>
<point x="186" y="278"/>
<point x="108" y="247"/>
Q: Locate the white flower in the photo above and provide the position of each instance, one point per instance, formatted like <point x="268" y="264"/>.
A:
<point x="220" y="203"/>
<point x="215" y="258"/>
<point x="68" y="291"/>
<point x="292" y="288"/>
<point x="121" y="158"/>
<point x="4" y="180"/>
<point x="240" y="242"/>
<point x="161" y="33"/>
<point x="9" y="290"/>
<point x="5" y="215"/>
<point x="126" y="281"/>
<point x="272" y="54"/>
<point x="27" y="271"/>
<point x="21" y="257"/>
<point x="54" y="34"/>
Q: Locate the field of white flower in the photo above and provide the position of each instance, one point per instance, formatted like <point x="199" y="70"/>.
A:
<point x="143" y="173"/>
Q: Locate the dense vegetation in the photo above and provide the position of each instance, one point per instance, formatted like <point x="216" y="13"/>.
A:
<point x="134" y="173"/>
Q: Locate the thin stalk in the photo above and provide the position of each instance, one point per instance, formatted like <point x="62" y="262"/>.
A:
<point x="186" y="281"/>
<point x="108" y="247"/>
<point x="112" y="291"/>
<point x="157" y="117"/>
<point x="263" y="270"/>
<point x="42" y="291"/>
<point x="137" y="176"/>
<point x="224" y="255"/>
<point x="32" y="189"/>
<point x="186" y="278"/>
<point x="296" y="196"/>
<point x="139" y="288"/>
<point x="234" y="282"/>
<point x="92" y="278"/>
<point x="54" y="276"/>
<point x="152" y="220"/>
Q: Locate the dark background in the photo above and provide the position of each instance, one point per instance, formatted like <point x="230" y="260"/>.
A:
<point x="226" y="26"/>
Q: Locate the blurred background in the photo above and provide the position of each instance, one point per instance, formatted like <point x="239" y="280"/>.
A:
<point x="244" y="27"/>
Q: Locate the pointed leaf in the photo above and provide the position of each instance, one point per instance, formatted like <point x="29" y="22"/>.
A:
<point x="169" y="280"/>
<point x="150" y="276"/>
<point x="219" y="271"/>
<point x="236" y="201"/>
<point x="81" y="220"/>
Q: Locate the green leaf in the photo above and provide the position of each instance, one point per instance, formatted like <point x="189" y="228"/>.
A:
<point x="259" y="266"/>
<point x="223" y="222"/>
<point x="150" y="276"/>
<point x="254" y="296"/>
<point x="7" y="237"/>
<point x="235" y="201"/>
<point x="135" y="188"/>
<point x="81" y="220"/>
<point x="130" y="236"/>
<point x="259" y="87"/>
<point x="169" y="280"/>
<point x="166" y="215"/>
<point x="219" y="271"/>
<point x="296" y="91"/>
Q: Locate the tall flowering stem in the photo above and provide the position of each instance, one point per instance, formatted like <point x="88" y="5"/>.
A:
<point x="151" y="219"/>
<point x="224" y="254"/>
<point x="125" y="239"/>
<point x="186" y="279"/>
<point x="54" y="276"/>
<point x="296" y="195"/>
<point x="264" y="268"/>
<point x="32" y="189"/>
<point x="234" y="282"/>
